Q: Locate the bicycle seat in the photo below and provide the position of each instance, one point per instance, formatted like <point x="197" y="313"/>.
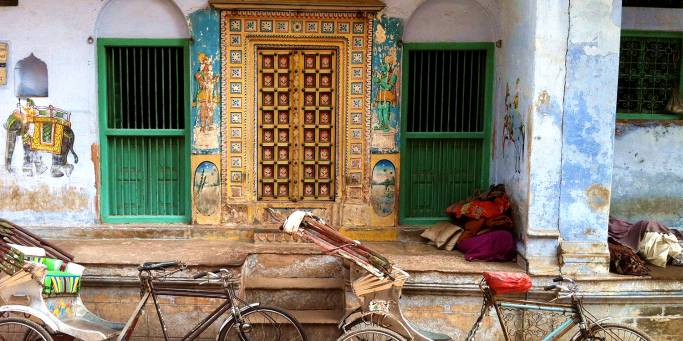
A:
<point x="147" y="266"/>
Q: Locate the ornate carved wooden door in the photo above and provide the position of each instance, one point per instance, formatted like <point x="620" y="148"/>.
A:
<point x="296" y="124"/>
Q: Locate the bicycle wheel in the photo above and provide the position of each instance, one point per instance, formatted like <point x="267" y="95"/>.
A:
<point x="371" y="333"/>
<point x="21" y="329"/>
<point x="263" y="324"/>
<point x="614" y="332"/>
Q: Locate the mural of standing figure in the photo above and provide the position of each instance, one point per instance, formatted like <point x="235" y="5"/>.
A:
<point x="42" y="129"/>
<point x="206" y="98"/>
<point x="386" y="79"/>
<point x="514" y="130"/>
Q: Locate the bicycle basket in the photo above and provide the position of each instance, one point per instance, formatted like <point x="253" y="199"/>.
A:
<point x="507" y="282"/>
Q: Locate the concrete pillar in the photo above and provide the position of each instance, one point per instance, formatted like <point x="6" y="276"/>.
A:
<point x="545" y="140"/>
<point x="588" y="121"/>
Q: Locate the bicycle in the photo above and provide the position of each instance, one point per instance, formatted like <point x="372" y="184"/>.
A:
<point x="32" y="314"/>
<point x="379" y="316"/>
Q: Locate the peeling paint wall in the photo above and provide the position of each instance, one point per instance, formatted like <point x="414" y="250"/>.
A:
<point x="60" y="39"/>
<point x="648" y="182"/>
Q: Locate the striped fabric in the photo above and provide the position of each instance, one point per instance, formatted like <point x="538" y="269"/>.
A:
<point x="58" y="282"/>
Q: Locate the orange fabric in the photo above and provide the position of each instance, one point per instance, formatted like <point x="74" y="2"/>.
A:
<point x="471" y="228"/>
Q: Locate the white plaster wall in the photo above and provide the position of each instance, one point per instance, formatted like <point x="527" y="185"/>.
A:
<point x="57" y="32"/>
<point x="451" y="21"/>
<point x="141" y="19"/>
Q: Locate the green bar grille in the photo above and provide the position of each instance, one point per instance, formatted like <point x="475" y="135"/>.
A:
<point x="441" y="173"/>
<point x="649" y="69"/>
<point x="445" y="137"/>
<point x="145" y="131"/>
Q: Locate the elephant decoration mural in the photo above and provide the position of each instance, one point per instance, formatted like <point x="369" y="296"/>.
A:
<point x="43" y="130"/>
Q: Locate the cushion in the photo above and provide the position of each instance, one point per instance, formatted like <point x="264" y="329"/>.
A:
<point x="59" y="282"/>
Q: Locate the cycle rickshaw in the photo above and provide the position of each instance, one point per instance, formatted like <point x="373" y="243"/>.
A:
<point x="379" y="316"/>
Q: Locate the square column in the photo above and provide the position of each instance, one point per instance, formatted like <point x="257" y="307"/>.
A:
<point x="590" y="95"/>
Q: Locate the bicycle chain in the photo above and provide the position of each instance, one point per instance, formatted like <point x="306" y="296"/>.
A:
<point x="485" y="306"/>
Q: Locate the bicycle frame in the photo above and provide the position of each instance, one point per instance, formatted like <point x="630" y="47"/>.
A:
<point x="573" y="310"/>
<point x="149" y="290"/>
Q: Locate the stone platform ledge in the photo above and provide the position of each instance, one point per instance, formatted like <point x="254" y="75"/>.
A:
<point x="265" y="233"/>
<point x="408" y="256"/>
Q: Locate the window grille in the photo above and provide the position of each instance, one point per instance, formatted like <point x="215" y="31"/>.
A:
<point x="649" y="70"/>
<point x="145" y="132"/>
<point x="444" y="149"/>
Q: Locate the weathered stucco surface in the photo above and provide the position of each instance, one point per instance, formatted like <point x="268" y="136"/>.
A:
<point x="57" y="32"/>
<point x="648" y="182"/>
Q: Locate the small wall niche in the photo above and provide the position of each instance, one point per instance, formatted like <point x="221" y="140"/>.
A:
<point x="30" y="77"/>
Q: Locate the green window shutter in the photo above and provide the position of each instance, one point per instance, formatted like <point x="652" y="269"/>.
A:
<point x="145" y="141"/>
<point x="445" y="139"/>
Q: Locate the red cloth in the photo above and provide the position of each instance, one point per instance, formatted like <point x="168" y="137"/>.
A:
<point x="477" y="209"/>
<point x="493" y="246"/>
<point x="507" y="282"/>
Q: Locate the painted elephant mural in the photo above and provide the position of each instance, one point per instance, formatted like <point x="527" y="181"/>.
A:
<point x="43" y="130"/>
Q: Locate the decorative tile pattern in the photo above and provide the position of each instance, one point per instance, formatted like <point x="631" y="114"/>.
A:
<point x="357" y="72"/>
<point x="297" y="26"/>
<point x="236" y="147"/>
<point x="356" y="133"/>
<point x="356" y="148"/>
<point x="356" y="118"/>
<point x="236" y="72"/>
<point x="355" y="163"/>
<point x="357" y="58"/>
<point x="236" y="56"/>
<point x="235" y="103"/>
<point x="355" y="179"/>
<point x="327" y="27"/>
<point x="235" y="87"/>
<point x="236" y="132"/>
<point x="235" y="25"/>
<point x="266" y="25"/>
<point x="358" y="42"/>
<point x="358" y="28"/>
<point x="357" y="103"/>
<point x="282" y="26"/>
<point x="236" y="161"/>
<point x="344" y="27"/>
<point x="312" y="26"/>
<point x="235" y="117"/>
<point x="236" y="176"/>
<point x="235" y="40"/>
<point x="250" y="26"/>
<point x="357" y="88"/>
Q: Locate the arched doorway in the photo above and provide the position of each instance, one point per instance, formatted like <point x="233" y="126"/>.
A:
<point x="143" y="81"/>
<point x="446" y="107"/>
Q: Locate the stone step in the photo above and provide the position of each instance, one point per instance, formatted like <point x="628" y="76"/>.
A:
<point x="298" y="299"/>
<point x="292" y="266"/>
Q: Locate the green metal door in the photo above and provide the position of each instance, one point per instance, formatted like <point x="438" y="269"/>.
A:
<point x="445" y="126"/>
<point x="143" y="94"/>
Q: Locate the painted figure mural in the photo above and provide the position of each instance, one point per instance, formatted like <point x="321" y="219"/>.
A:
<point x="386" y="67"/>
<point x="205" y="64"/>
<point x="206" y="188"/>
<point x="383" y="191"/>
<point x="42" y="130"/>
<point x="514" y="130"/>
<point x="206" y="101"/>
